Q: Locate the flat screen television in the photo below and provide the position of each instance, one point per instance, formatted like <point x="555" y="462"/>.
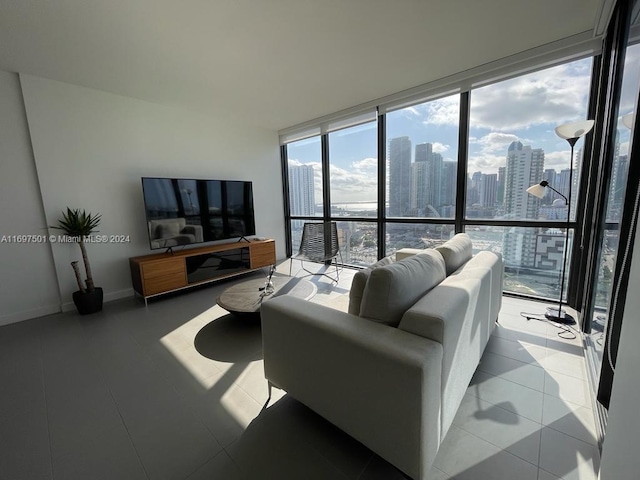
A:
<point x="189" y="211"/>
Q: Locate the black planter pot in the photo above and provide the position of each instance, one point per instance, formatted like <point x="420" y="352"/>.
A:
<point x="87" y="303"/>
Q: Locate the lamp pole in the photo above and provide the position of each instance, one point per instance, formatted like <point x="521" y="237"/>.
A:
<point x="571" y="132"/>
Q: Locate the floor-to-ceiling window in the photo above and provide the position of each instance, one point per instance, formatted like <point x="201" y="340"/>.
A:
<point x="512" y="145"/>
<point x="615" y="197"/>
<point x="422" y="162"/>
<point x="304" y="171"/>
<point x="439" y="176"/>
<point x="353" y="189"/>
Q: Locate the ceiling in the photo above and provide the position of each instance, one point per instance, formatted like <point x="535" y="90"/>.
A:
<point x="273" y="63"/>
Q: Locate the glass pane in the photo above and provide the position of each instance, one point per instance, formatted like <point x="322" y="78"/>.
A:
<point x="512" y="143"/>
<point x="532" y="257"/>
<point x="615" y="199"/>
<point x="353" y="164"/>
<point x="305" y="177"/>
<point x="422" y="156"/>
<point x="415" y="235"/>
<point x="358" y="242"/>
<point x="296" y="235"/>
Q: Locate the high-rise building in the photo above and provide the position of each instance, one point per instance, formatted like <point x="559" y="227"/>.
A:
<point x="549" y="195"/>
<point x="473" y="189"/>
<point x="562" y="182"/>
<point x="426" y="180"/>
<point x="502" y="172"/>
<point x="399" y="176"/>
<point x="488" y="189"/>
<point x="449" y="174"/>
<point x="301" y="190"/>
<point x="423" y="152"/>
<point x="524" y="168"/>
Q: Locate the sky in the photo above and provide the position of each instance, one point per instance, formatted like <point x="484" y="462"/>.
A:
<point x="526" y="109"/>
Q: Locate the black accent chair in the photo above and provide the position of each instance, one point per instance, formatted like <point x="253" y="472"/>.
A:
<point x="319" y="244"/>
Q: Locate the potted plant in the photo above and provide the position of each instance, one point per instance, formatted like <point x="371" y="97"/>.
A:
<point x="79" y="225"/>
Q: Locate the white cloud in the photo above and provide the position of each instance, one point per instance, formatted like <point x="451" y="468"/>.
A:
<point x="486" y="163"/>
<point x="445" y="111"/>
<point x="552" y="96"/>
<point x="495" y="142"/>
<point x="558" y="160"/>
<point x="365" y="164"/>
<point x="353" y="186"/>
<point x="440" y="147"/>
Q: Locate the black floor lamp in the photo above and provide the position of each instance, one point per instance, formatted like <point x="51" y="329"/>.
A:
<point x="571" y="132"/>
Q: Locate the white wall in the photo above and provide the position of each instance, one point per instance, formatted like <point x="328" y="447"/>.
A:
<point x="28" y="285"/>
<point x="620" y="459"/>
<point x="92" y="147"/>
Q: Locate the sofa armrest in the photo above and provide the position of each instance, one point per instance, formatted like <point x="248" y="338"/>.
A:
<point x="379" y="384"/>
<point x="195" y="230"/>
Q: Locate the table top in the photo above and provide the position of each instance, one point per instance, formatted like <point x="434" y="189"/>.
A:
<point x="246" y="297"/>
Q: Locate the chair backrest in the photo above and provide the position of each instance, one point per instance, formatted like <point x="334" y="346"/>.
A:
<point x="319" y="241"/>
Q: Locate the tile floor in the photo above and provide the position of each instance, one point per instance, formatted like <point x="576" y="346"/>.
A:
<point x="175" y="391"/>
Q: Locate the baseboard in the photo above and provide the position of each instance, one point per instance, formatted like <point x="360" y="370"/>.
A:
<point x="29" y="314"/>
<point x="108" y="297"/>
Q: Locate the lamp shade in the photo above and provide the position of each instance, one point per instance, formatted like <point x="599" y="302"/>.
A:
<point x="536" y="190"/>
<point x="569" y="131"/>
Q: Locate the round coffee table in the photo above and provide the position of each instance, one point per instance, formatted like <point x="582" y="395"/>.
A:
<point x="247" y="297"/>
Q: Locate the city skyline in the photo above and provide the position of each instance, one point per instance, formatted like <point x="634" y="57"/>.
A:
<point x="525" y="109"/>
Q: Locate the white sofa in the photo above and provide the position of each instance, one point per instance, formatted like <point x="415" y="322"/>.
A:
<point x="392" y="372"/>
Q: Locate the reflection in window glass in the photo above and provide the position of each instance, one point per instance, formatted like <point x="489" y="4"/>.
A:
<point x="512" y="143"/>
<point x="536" y="269"/>
<point x="353" y="163"/>
<point x="422" y="155"/>
<point x="305" y="177"/>
<point x="416" y="235"/>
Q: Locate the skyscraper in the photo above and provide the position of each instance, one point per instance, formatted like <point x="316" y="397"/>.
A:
<point x="301" y="190"/>
<point x="426" y="180"/>
<point x="448" y="184"/>
<point x="399" y="176"/>
<point x="502" y="173"/>
<point x="524" y="168"/>
<point x="488" y="189"/>
<point x="549" y="195"/>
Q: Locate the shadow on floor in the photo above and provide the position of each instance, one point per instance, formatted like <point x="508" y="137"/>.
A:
<point x="231" y="338"/>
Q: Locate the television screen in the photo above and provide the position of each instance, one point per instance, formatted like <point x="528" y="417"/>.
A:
<point x="185" y="211"/>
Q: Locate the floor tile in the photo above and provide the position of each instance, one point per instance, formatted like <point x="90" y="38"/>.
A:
<point x="568" y="457"/>
<point x="500" y="427"/>
<point x="523" y="352"/>
<point x="176" y="390"/>
<point x="221" y="466"/>
<point x="481" y="460"/>
<point x="569" y="388"/>
<point x="515" y="371"/>
<point x="569" y="418"/>
<point x="544" y="475"/>
<point x="24" y="443"/>
<point x="106" y="456"/>
<point x="173" y="445"/>
<point x="515" y="398"/>
<point x="565" y="363"/>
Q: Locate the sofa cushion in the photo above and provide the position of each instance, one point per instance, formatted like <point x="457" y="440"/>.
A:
<point x="360" y="281"/>
<point x="456" y="252"/>
<point x="392" y="289"/>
